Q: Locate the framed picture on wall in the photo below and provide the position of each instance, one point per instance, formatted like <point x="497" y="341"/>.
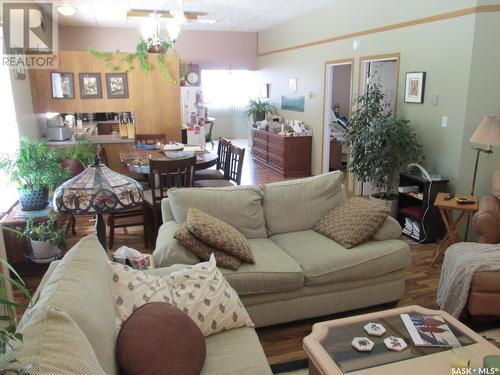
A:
<point x="264" y="90"/>
<point x="117" y="85"/>
<point x="414" y="88"/>
<point x="63" y="86"/>
<point x="90" y="85"/>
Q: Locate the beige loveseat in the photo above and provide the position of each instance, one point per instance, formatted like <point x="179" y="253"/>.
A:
<point x="298" y="273"/>
<point x="71" y="328"/>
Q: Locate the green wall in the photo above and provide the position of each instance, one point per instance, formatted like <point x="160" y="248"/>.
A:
<point x="451" y="51"/>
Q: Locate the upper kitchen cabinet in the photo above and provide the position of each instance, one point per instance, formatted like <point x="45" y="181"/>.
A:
<point x="154" y="100"/>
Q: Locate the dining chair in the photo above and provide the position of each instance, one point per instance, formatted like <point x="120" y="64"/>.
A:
<point x="150" y="139"/>
<point x="219" y="173"/>
<point x="163" y="175"/>
<point x="234" y="170"/>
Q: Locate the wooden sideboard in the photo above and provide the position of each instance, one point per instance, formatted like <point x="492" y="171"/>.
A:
<point x="290" y="156"/>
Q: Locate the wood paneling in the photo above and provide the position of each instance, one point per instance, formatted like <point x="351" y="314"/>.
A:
<point x="154" y="100"/>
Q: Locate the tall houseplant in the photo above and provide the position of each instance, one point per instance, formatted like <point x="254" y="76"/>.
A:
<point x="258" y="108"/>
<point x="34" y="169"/>
<point x="381" y="145"/>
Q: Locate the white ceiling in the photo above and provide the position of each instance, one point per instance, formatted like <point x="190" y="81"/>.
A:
<point x="231" y="15"/>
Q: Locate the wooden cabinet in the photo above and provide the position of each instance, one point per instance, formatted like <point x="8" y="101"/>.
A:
<point x="288" y="156"/>
<point x="335" y="154"/>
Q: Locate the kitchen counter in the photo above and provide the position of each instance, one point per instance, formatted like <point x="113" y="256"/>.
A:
<point x="93" y="138"/>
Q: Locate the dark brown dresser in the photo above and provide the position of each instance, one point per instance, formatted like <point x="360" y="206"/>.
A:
<point x="290" y="156"/>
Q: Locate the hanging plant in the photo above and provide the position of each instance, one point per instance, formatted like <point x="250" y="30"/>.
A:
<point x="115" y="61"/>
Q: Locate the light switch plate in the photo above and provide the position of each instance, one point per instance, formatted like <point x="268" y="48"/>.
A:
<point x="444" y="121"/>
<point x="434" y="99"/>
<point x="308" y="95"/>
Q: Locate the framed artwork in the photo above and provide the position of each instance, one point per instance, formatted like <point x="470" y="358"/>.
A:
<point x="63" y="86"/>
<point x="415" y="86"/>
<point x="293" y="103"/>
<point x="292" y="85"/>
<point x="117" y="85"/>
<point x="90" y="85"/>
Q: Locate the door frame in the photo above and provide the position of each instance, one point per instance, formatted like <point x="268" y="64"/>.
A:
<point x="326" y="85"/>
<point x="384" y="57"/>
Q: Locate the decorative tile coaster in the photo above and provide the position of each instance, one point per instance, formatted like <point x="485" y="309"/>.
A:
<point x="374" y="329"/>
<point x="362" y="344"/>
<point x="395" y="343"/>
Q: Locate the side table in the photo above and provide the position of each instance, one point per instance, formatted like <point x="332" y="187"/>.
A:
<point x="446" y="209"/>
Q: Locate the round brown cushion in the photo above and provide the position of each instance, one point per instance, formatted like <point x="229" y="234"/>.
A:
<point x="158" y="338"/>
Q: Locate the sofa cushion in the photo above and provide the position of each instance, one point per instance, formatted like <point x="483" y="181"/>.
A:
<point x="53" y="344"/>
<point x="295" y="205"/>
<point x="219" y="234"/>
<point x="486" y="281"/>
<point x="168" y="250"/>
<point x="204" y="250"/>
<point x="80" y="287"/>
<point x="273" y="271"/>
<point x="353" y="221"/>
<point x="156" y="329"/>
<point x="390" y="230"/>
<point x="239" y="205"/>
<point x="325" y="261"/>
<point x="235" y="352"/>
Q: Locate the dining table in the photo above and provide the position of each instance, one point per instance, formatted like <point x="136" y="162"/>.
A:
<point x="137" y="160"/>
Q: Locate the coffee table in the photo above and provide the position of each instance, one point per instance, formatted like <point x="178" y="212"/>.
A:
<point x="330" y="352"/>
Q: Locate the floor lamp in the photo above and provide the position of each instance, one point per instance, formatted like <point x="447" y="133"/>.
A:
<point x="95" y="191"/>
<point x="486" y="134"/>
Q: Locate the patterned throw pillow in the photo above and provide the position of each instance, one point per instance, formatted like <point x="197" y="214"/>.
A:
<point x="219" y="234"/>
<point x="131" y="289"/>
<point x="203" y="250"/>
<point x="352" y="222"/>
<point x="203" y="293"/>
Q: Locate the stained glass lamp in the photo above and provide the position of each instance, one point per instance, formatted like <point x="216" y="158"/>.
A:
<point x="95" y="191"/>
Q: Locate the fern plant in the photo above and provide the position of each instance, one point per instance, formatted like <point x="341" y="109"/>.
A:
<point x="258" y="108"/>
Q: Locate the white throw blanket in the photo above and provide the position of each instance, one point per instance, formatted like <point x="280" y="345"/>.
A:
<point x="460" y="263"/>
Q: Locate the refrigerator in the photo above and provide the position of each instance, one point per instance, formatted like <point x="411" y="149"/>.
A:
<point x="193" y="114"/>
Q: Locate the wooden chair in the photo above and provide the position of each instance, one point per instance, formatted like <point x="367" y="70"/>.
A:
<point x="234" y="170"/>
<point x="150" y="139"/>
<point x="219" y="173"/>
<point x="163" y="175"/>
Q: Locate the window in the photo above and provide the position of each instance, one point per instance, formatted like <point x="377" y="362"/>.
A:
<point x="9" y="140"/>
<point x="229" y="88"/>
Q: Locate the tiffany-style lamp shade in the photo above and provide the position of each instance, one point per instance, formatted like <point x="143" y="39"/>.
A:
<point x="95" y="191"/>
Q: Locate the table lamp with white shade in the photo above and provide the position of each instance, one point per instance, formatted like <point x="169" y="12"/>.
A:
<point x="487" y="134"/>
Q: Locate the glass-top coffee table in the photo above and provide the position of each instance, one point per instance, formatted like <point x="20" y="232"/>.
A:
<point x="330" y="352"/>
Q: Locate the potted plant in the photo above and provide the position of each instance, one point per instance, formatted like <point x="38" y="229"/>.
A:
<point x="34" y="169"/>
<point x="45" y="238"/>
<point x="79" y="156"/>
<point x="257" y="109"/>
<point x="8" y="335"/>
<point x="381" y="145"/>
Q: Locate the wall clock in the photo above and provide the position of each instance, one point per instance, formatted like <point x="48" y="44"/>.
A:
<point x="193" y="78"/>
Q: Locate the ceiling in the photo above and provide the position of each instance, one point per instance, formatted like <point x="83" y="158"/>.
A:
<point x="231" y="15"/>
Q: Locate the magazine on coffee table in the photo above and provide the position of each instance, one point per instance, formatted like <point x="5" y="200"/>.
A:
<point x="429" y="330"/>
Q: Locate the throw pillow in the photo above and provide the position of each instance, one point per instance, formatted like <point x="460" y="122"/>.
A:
<point x="203" y="250"/>
<point x="219" y="234"/>
<point x="202" y="292"/>
<point x="352" y="222"/>
<point x="132" y="288"/>
<point x="156" y="329"/>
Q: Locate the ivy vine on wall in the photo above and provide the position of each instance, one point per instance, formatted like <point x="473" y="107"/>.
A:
<point x="124" y="62"/>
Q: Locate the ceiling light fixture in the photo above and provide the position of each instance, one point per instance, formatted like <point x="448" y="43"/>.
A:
<point x="151" y="32"/>
<point x="66" y="10"/>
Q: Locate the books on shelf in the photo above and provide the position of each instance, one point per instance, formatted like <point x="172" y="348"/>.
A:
<point x="429" y="330"/>
<point x="412" y="228"/>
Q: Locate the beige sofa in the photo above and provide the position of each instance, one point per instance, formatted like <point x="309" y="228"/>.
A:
<point x="298" y="273"/>
<point x="71" y="329"/>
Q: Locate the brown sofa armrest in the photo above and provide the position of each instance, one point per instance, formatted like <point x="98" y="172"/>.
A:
<point x="486" y="222"/>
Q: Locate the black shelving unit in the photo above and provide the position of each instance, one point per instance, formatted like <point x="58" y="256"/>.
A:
<point x="422" y="209"/>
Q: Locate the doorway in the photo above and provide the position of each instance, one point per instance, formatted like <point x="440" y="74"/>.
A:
<point x="384" y="71"/>
<point x="337" y="109"/>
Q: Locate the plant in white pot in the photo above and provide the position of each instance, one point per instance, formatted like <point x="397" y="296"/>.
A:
<point x="46" y="239"/>
<point x="381" y="145"/>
